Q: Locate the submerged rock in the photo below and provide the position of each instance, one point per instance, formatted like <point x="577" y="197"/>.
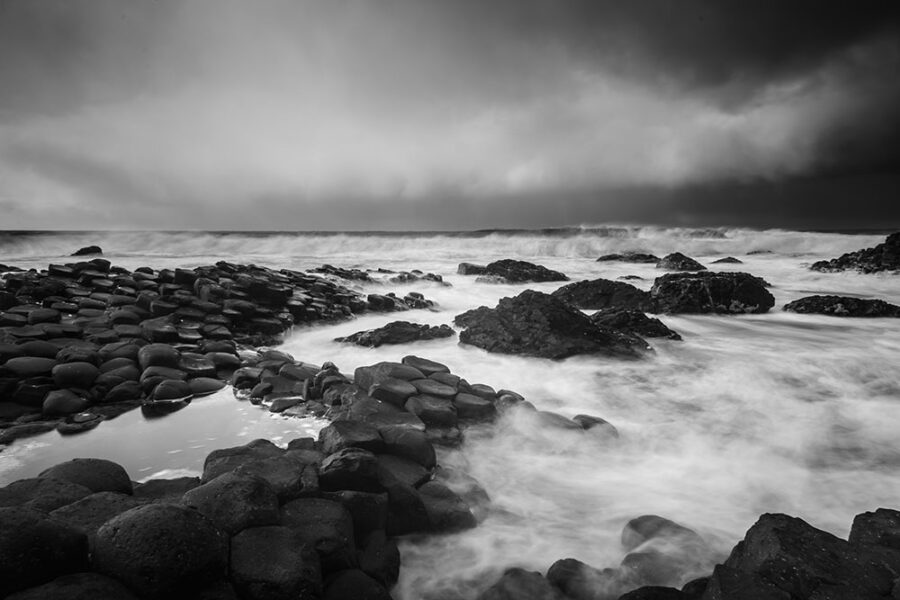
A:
<point x="707" y="292"/>
<point x="843" y="306"/>
<point x="883" y="257"/>
<point x="512" y="271"/>
<point x="599" y="294"/>
<point x="538" y="324"/>
<point x="630" y="257"/>
<point x="397" y="332"/>
<point x="728" y="260"/>
<point x="88" y="250"/>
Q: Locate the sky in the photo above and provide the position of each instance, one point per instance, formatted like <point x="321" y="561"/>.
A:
<point x="448" y="114"/>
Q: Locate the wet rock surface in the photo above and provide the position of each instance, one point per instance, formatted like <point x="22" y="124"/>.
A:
<point x="398" y="332"/>
<point x="511" y="271"/>
<point x="630" y="257"/>
<point x="708" y="292"/>
<point x="600" y="294"/>
<point x="634" y="322"/>
<point x="843" y="306"/>
<point x="883" y="257"/>
<point x="679" y="262"/>
<point x="538" y="324"/>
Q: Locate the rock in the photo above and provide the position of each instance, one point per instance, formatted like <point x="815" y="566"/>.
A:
<point x="630" y="257"/>
<point x="425" y="366"/>
<point x="843" y="306"/>
<point x="171" y="390"/>
<point x="679" y="262"/>
<point x="879" y="528"/>
<point x="35" y="549"/>
<point x="350" y="434"/>
<point x="353" y="584"/>
<point x="326" y="526"/>
<point x="728" y="260"/>
<point x="78" y="586"/>
<point x="731" y="584"/>
<point x="29" y="366"/>
<point x="590" y="423"/>
<point x="470" y="407"/>
<point x="409" y="443"/>
<point x="42" y="493"/>
<point x="406" y="510"/>
<point x="96" y="474"/>
<point x="366" y="377"/>
<point x="272" y="563"/>
<point x="393" y="391"/>
<point x="88" y="250"/>
<point x="432" y="387"/>
<point x="204" y="386"/>
<point x="647" y="527"/>
<point x="519" y="584"/>
<point x="123" y="392"/>
<point x="404" y="470"/>
<point x="433" y="411"/>
<point x="235" y="501"/>
<point x="883" y="257"/>
<point x="63" y="402"/>
<point x="723" y="293"/>
<point x="89" y="513"/>
<point x="602" y="294"/>
<point x="158" y="355"/>
<point x="446" y="510"/>
<point x="579" y="581"/>
<point x="662" y="553"/>
<point x="520" y="271"/>
<point x="350" y="469"/>
<point x="379" y="558"/>
<point x="537" y="324"/>
<point x="801" y="560"/>
<point x="161" y="550"/>
<point x="633" y="322"/>
<point x="397" y="332"/>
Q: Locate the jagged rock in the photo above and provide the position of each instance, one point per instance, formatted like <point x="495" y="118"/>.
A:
<point x="397" y="332"/>
<point x="292" y="475"/>
<point x="96" y="474"/>
<point x="601" y="294"/>
<point x="679" y="262"/>
<point x="630" y="257"/>
<point x="538" y="324"/>
<point x="633" y="322"/>
<point x="879" y="528"/>
<point x="843" y="306"/>
<point x="706" y="292"/>
<point x="883" y="257"/>
<point x="161" y="550"/>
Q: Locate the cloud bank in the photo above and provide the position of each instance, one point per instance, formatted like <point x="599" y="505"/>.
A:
<point x="353" y="114"/>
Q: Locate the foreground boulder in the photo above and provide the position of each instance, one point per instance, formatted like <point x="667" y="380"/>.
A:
<point x="273" y="563"/>
<point x="512" y="271"/>
<point x="601" y="294"/>
<point x="397" y="332"/>
<point x="883" y="257"/>
<point x="707" y="292"/>
<point x="538" y="324"/>
<point x="843" y="306"/>
<point x="161" y="550"/>
<point x="96" y="474"/>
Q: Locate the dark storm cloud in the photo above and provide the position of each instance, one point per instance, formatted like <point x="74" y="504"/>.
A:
<point x="434" y="114"/>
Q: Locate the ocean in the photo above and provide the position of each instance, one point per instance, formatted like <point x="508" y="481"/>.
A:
<point x="778" y="412"/>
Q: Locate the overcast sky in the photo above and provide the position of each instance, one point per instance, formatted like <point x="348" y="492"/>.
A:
<point x="448" y="114"/>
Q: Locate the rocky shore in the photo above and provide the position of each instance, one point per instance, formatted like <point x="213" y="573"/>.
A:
<point x="83" y="342"/>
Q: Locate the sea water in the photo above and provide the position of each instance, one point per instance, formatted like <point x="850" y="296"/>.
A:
<point x="748" y="414"/>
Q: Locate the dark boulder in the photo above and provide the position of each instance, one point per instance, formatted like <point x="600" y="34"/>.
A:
<point x="470" y="407"/>
<point x="350" y="434"/>
<point x="273" y="563"/>
<point x="368" y="510"/>
<point x="433" y="387"/>
<point x="161" y="550"/>
<point x="580" y="581"/>
<point x="843" y="306"/>
<point x="409" y="443"/>
<point x="397" y="332"/>
<point x="77" y="586"/>
<point x="446" y="510"/>
<point x="326" y="526"/>
<point x="42" y="493"/>
<point x="350" y="469"/>
<point x="96" y="474"/>
<point x="425" y="366"/>
<point x="366" y="377"/>
<point x="728" y="260"/>
<point x="35" y="549"/>
<point x="879" y="528"/>
<point x="520" y="271"/>
<point x="538" y="324"/>
<point x="883" y="257"/>
<point x="166" y="490"/>
<point x="393" y="391"/>
<point x="470" y="269"/>
<point x="397" y="468"/>
<point x="63" y="402"/>
<point x="379" y="558"/>
<point x="433" y="411"/>
<point x="654" y="592"/>
<point x="731" y="584"/>
<point x="633" y="322"/>
<point x="158" y="355"/>
<point x="29" y="366"/>
<point x="224" y="460"/>
<point x="629" y="257"/>
<point x="353" y="584"/>
<point x="805" y="562"/>
<point x="706" y="292"/>
<point x="679" y="262"/>
<point x="171" y="390"/>
<point x="89" y="513"/>
<point x="88" y="250"/>
<point x="234" y="502"/>
<point x="602" y="294"/>
<point x="519" y="584"/>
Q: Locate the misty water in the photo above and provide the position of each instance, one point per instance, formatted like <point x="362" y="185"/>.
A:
<point x="748" y="414"/>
